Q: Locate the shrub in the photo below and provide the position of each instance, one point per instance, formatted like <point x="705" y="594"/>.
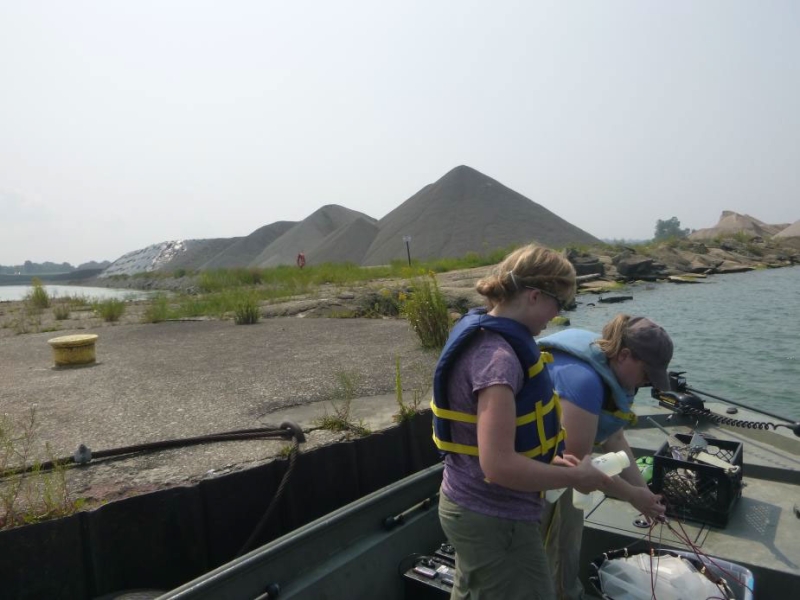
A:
<point x="111" y="309"/>
<point x="75" y="301"/>
<point x="61" y="311"/>
<point x="157" y="311"/>
<point x="384" y="303"/>
<point x="27" y="320"/>
<point x="247" y="311"/>
<point x="194" y="306"/>
<point x="426" y="310"/>
<point x="37" y="298"/>
<point x="754" y="249"/>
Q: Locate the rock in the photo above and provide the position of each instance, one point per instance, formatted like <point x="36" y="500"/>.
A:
<point x="614" y="299"/>
<point x="639" y="267"/>
<point x="728" y="266"/>
<point x="585" y="263"/>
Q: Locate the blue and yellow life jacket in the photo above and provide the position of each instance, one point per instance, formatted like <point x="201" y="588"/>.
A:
<point x="539" y="434"/>
<point x="580" y="344"/>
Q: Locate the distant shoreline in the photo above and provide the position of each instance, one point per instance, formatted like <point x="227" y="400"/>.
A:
<point x="69" y="278"/>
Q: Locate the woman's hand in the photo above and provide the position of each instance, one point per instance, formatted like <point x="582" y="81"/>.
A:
<point x="568" y="460"/>
<point x="646" y="502"/>
<point x="586" y="477"/>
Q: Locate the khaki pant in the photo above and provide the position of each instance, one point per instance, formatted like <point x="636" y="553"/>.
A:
<point x="496" y="559"/>
<point x="563" y="526"/>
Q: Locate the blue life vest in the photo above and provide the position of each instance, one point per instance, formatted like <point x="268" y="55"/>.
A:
<point x="580" y="344"/>
<point x="539" y="434"/>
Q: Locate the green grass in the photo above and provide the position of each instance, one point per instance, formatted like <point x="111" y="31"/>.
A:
<point x="75" y="301"/>
<point x="286" y="451"/>
<point x="157" y="311"/>
<point x="743" y="237"/>
<point x="246" y="311"/>
<point x="37" y="495"/>
<point x="27" y="320"/>
<point x="287" y="280"/>
<point x="341" y="395"/>
<point x="405" y="410"/>
<point x="224" y="291"/>
<point x="383" y="303"/>
<point x="111" y="310"/>
<point x="61" y="310"/>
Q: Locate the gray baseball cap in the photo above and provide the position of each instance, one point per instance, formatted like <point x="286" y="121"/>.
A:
<point x="650" y="343"/>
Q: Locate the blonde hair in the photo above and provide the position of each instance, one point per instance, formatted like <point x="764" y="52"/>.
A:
<point x="611" y="341"/>
<point x="529" y="266"/>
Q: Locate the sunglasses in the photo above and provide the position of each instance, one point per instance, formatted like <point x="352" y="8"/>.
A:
<point x="562" y="306"/>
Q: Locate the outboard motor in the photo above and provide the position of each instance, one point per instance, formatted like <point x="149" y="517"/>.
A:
<point x="679" y="402"/>
<point x="677" y="398"/>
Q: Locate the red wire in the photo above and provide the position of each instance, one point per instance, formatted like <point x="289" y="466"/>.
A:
<point x="683" y="537"/>
<point x="699" y="553"/>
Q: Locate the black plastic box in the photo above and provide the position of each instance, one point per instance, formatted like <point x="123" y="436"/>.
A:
<point x="697" y="491"/>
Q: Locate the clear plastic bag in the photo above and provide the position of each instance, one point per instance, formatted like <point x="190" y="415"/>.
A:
<point x="675" y="579"/>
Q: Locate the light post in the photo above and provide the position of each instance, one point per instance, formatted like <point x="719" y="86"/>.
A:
<point x="407" y="240"/>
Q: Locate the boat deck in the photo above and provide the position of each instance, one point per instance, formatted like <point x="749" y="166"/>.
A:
<point x="351" y="553"/>
<point x="763" y="530"/>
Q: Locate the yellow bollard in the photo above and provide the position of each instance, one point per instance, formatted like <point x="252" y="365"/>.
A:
<point x="73" y="350"/>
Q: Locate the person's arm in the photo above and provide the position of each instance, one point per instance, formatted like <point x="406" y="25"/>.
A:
<point x="502" y="465"/>
<point x="581" y="391"/>
<point x="629" y="485"/>
<point x="581" y="426"/>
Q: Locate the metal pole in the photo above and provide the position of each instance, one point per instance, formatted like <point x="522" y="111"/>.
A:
<point x="408" y="252"/>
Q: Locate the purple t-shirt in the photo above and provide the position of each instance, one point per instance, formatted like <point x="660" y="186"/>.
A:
<point x="488" y="360"/>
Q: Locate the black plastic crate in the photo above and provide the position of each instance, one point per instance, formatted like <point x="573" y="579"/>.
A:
<point x="697" y="491"/>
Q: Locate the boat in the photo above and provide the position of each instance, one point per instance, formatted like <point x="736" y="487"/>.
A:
<point x="390" y="545"/>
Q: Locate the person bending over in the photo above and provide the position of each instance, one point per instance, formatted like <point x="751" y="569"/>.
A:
<point x="596" y="377"/>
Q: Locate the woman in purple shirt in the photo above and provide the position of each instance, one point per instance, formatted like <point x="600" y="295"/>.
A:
<point x="497" y="417"/>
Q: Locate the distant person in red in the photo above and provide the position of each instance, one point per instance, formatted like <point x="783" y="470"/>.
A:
<point x="301" y="260"/>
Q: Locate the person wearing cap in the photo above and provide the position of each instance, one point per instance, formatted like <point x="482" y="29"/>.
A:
<point x="596" y="378"/>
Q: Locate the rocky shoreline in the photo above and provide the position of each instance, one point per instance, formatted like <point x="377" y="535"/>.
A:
<point x="598" y="267"/>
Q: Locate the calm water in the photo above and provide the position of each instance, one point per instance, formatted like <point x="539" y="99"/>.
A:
<point x="18" y="292"/>
<point x="736" y="336"/>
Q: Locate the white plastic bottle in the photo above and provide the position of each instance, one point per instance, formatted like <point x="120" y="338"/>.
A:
<point x="611" y="464"/>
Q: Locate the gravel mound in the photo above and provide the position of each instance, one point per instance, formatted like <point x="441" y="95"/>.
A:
<point x="466" y="211"/>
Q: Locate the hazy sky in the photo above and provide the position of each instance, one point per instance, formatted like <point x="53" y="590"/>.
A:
<point x="124" y="124"/>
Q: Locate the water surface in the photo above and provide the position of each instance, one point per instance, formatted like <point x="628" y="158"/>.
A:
<point x="18" y="292"/>
<point x="736" y="336"/>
